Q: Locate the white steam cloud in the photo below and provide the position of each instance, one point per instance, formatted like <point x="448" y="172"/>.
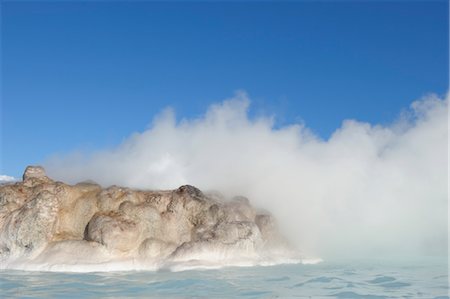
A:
<point x="367" y="190"/>
<point x="7" y="179"/>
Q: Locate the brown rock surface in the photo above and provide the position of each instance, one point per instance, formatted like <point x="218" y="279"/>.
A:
<point x="42" y="220"/>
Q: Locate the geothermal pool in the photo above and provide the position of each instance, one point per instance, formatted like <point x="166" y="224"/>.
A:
<point x="186" y="245"/>
<point x="373" y="279"/>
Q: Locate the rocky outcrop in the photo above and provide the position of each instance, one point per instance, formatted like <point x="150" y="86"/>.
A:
<point x="52" y="222"/>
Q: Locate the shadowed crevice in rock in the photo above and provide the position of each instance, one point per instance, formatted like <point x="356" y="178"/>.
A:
<point x="43" y="221"/>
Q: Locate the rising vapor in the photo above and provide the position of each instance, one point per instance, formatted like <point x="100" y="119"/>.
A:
<point x="367" y="190"/>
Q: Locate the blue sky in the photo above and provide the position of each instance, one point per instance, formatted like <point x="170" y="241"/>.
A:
<point x="79" y="75"/>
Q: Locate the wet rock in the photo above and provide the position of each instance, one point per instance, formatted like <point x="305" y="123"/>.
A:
<point x="40" y="217"/>
<point x="156" y="248"/>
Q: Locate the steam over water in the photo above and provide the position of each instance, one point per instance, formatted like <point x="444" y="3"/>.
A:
<point x="367" y="190"/>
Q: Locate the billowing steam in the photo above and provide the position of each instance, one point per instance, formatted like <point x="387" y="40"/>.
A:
<point x="367" y="190"/>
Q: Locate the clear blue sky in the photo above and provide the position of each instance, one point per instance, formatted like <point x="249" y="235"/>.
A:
<point x="86" y="75"/>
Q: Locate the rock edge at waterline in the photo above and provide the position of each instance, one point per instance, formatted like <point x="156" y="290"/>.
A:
<point x="49" y="225"/>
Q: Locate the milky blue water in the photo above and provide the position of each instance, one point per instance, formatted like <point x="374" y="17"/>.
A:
<point x="425" y="278"/>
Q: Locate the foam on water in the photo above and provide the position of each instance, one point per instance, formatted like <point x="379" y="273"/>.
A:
<point x="75" y="256"/>
<point x="145" y="265"/>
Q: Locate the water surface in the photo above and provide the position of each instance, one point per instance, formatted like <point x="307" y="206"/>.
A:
<point x="371" y="279"/>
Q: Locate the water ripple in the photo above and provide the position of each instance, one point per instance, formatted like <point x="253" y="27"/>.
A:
<point x="327" y="280"/>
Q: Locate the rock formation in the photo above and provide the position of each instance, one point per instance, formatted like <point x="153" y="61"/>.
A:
<point x="43" y="222"/>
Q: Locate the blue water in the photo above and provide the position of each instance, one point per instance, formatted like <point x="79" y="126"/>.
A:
<point x="372" y="279"/>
